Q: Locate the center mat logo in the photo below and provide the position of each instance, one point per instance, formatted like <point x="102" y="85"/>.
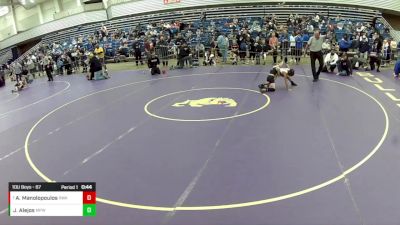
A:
<point x="227" y="102"/>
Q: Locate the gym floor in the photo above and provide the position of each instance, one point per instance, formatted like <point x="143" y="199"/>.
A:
<point x="321" y="153"/>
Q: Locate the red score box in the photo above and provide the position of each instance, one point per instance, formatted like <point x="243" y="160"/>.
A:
<point x="89" y="197"/>
<point x="171" y="1"/>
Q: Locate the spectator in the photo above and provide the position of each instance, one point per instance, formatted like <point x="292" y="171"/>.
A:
<point x="95" y="66"/>
<point x="273" y="43"/>
<point x="214" y="48"/>
<point x="299" y="47"/>
<point x="398" y="49"/>
<point x="60" y="66"/>
<point x="137" y="48"/>
<point x="326" y="47"/>
<point x="223" y="45"/>
<point x="393" y="48"/>
<point x="265" y="50"/>
<point x="184" y="54"/>
<point x="30" y="66"/>
<point x="148" y="47"/>
<point x="234" y="52"/>
<point x="306" y="37"/>
<point x="99" y="51"/>
<point x="386" y="52"/>
<point x="375" y="54"/>
<point x="2" y="77"/>
<point x="344" y="66"/>
<point x="330" y="62"/>
<point x="153" y="63"/>
<point x="284" y="45"/>
<point x="292" y="40"/>
<point x="397" y="69"/>
<point x="355" y="43"/>
<point x="258" y="50"/>
<point x="356" y="63"/>
<point x="163" y="51"/>
<point x="363" y="48"/>
<point x="48" y="67"/>
<point x="252" y="49"/>
<point x="344" y="44"/>
<point x="242" y="49"/>
<point x="17" y="70"/>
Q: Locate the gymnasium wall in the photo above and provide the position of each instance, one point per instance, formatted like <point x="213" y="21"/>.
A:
<point x="7" y="26"/>
<point x="133" y="7"/>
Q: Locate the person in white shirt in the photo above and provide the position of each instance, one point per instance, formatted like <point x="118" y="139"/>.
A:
<point x="331" y="61"/>
<point x="310" y="28"/>
<point x="31" y="66"/>
<point x="326" y="47"/>
<point x="360" y="28"/>
<point x="316" y="18"/>
<point x="33" y="57"/>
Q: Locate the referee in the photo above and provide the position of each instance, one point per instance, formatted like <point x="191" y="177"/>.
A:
<point x="315" y="45"/>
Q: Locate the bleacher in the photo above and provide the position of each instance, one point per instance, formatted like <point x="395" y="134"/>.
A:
<point x="219" y="16"/>
<point x="5" y="55"/>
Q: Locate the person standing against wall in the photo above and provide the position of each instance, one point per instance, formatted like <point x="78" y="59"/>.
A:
<point x="162" y="49"/>
<point x="223" y="47"/>
<point x="137" y="49"/>
<point x="273" y="43"/>
<point x="397" y="69"/>
<point x="17" y="70"/>
<point x="299" y="47"/>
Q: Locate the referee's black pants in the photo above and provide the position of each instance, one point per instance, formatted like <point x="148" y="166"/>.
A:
<point x="316" y="56"/>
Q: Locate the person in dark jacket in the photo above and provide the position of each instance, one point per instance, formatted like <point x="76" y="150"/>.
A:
<point x="153" y="63"/>
<point x="94" y="65"/>
<point x="49" y="70"/>
<point x="363" y="48"/>
<point x="179" y="40"/>
<point x="2" y="77"/>
<point x="397" y="69"/>
<point x="184" y="54"/>
<point x="252" y="49"/>
<point x="344" y="66"/>
<point x="258" y="49"/>
<point x="375" y="53"/>
<point x="137" y="48"/>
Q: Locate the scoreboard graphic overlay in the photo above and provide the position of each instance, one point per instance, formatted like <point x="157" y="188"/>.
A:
<point x="51" y="199"/>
